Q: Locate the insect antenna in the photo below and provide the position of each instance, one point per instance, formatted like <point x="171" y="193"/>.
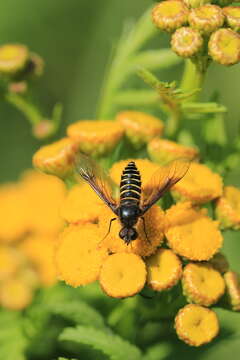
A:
<point x="144" y="229"/>
<point x="109" y="228"/>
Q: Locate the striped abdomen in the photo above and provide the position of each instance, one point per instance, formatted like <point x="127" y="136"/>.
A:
<point x="130" y="186"/>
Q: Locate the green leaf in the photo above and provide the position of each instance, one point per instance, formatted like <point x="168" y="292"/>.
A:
<point x="111" y="345"/>
<point x="80" y="313"/>
<point x="12" y="340"/>
<point x="203" y="108"/>
<point x="158" y="352"/>
<point x="231" y="248"/>
<point x="136" y="97"/>
<point x="155" y="59"/>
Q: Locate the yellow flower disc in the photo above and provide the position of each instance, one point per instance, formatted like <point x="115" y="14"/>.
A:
<point x="139" y="126"/>
<point x="192" y="234"/>
<point x="162" y="151"/>
<point x="164" y="269"/>
<point x="186" y="42"/>
<point x="232" y="14"/>
<point x="57" y="158"/>
<point x="146" y="168"/>
<point x="154" y="223"/>
<point x="81" y="205"/>
<point x="44" y="194"/>
<point x="206" y="18"/>
<point x="202" y="284"/>
<point x="170" y="15"/>
<point x="228" y="208"/>
<point x="96" y="137"/>
<point x="78" y="258"/>
<point x="40" y="251"/>
<point x="122" y="275"/>
<point x="13" y="57"/>
<point x="15" y="294"/>
<point x="13" y="213"/>
<point x="196" y="325"/>
<point x="199" y="185"/>
<point x="232" y="280"/>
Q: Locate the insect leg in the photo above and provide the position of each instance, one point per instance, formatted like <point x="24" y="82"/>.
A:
<point x="144" y="228"/>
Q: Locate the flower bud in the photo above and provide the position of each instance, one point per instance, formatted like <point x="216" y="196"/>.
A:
<point x="13" y="58"/>
<point x="196" y="3"/>
<point x="232" y="14"/>
<point x="43" y="129"/>
<point x="228" y="208"/>
<point x="170" y="15"/>
<point x="224" y="47"/>
<point x="206" y="18"/>
<point x="186" y="42"/>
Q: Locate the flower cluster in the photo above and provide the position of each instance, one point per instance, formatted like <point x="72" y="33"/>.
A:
<point x="30" y="223"/>
<point x="182" y="242"/>
<point x="193" y="24"/>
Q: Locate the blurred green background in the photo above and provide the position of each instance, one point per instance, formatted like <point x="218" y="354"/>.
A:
<point x="75" y="38"/>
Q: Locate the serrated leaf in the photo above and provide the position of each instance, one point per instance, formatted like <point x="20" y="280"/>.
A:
<point x="155" y="59"/>
<point x="110" y="344"/>
<point x="80" y="313"/>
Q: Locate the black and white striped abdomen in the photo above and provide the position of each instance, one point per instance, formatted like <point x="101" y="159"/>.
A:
<point x="130" y="186"/>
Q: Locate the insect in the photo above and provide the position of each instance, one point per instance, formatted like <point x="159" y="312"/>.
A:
<point x="134" y="201"/>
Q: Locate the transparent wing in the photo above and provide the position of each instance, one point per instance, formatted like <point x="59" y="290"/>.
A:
<point x="162" y="180"/>
<point x="96" y="177"/>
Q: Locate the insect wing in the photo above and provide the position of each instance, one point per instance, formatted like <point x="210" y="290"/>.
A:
<point x="96" y="177"/>
<point x="162" y="180"/>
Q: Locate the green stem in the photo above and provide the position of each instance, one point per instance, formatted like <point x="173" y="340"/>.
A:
<point x="193" y="78"/>
<point x="29" y="110"/>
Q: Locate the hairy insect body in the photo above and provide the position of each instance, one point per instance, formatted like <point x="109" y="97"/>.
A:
<point x="130" y="196"/>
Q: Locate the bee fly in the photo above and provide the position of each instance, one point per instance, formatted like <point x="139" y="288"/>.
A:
<point x="134" y="200"/>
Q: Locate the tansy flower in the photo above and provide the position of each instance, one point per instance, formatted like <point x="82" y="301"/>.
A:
<point x="146" y="168"/>
<point x="199" y="185"/>
<point x="162" y="151"/>
<point x="196" y="325"/>
<point x="13" y="58"/>
<point x="78" y="258"/>
<point x="57" y="158"/>
<point x="13" y="213"/>
<point x="232" y="280"/>
<point x="139" y="126"/>
<point x="206" y="18"/>
<point x="10" y="261"/>
<point x="232" y="14"/>
<point x="44" y="194"/>
<point x="145" y="244"/>
<point x="15" y="294"/>
<point x="96" y="138"/>
<point x="220" y="263"/>
<point x="122" y="275"/>
<point x="81" y="205"/>
<point x="170" y="15"/>
<point x="40" y="251"/>
<point x="164" y="269"/>
<point x="191" y="233"/>
<point x="224" y="47"/>
<point x="186" y="42"/>
<point x="202" y="284"/>
<point x="228" y="208"/>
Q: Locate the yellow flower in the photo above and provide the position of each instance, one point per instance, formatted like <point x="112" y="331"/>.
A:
<point x="199" y="185"/>
<point x="57" y="158"/>
<point x="122" y="275"/>
<point x="13" y="58"/>
<point x="15" y="294"/>
<point x="162" y="151"/>
<point x="196" y="325"/>
<point x="191" y="233"/>
<point x="220" y="263"/>
<point x="232" y="280"/>
<point x="232" y="14"/>
<point x="146" y="168"/>
<point x="139" y="126"/>
<point x="78" y="258"/>
<point x="96" y="138"/>
<point x="82" y="205"/>
<point x="228" y="208"/>
<point x="206" y="18"/>
<point x="186" y="42"/>
<point x="170" y="15"/>
<point x="13" y="213"/>
<point x="164" y="269"/>
<point x="202" y="284"/>
<point x="154" y="223"/>
<point x="224" y="47"/>
<point x="39" y="249"/>
<point x="10" y="261"/>
<point x="44" y="194"/>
